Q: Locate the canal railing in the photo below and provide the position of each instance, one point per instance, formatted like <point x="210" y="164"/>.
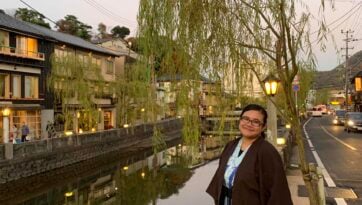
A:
<point x="30" y="158"/>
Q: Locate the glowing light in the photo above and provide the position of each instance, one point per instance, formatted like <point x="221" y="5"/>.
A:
<point x="350" y="123"/>
<point x="68" y="133"/>
<point x="68" y="194"/>
<point x="126" y="125"/>
<point x="281" y="141"/>
<point x="6" y="112"/>
<point x="271" y="85"/>
<point x="125" y="168"/>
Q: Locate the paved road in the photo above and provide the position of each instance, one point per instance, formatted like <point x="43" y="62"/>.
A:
<point x="340" y="152"/>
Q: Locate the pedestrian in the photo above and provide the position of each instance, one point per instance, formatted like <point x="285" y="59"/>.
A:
<point x="24" y="132"/>
<point x="250" y="168"/>
<point x="14" y="133"/>
<point x="50" y="129"/>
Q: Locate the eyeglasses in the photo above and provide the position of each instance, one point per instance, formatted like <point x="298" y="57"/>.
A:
<point x="254" y="123"/>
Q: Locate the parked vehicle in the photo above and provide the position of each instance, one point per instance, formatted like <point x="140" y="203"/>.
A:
<point x="353" y="121"/>
<point x="339" y="117"/>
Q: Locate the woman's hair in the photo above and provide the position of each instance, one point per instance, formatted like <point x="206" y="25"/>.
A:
<point x="259" y="108"/>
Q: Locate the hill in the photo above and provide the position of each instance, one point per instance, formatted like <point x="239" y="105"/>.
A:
<point x="335" y="77"/>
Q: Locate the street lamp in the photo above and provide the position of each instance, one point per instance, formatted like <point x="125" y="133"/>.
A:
<point x="271" y="87"/>
<point x="6" y="127"/>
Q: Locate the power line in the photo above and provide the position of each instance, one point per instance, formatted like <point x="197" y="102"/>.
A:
<point x="109" y="13"/>
<point x="329" y="31"/>
<point x="345" y="14"/>
<point x="37" y="11"/>
<point x="125" y="19"/>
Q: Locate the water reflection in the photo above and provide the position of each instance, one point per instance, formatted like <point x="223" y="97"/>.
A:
<point x="136" y="178"/>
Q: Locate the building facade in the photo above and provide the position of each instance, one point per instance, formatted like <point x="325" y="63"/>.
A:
<point x="27" y="54"/>
<point x="24" y="64"/>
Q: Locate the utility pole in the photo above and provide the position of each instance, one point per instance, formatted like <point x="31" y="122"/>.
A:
<point x="348" y="39"/>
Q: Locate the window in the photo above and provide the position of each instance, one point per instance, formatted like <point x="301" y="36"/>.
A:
<point x="96" y="62"/>
<point x="16" y="86"/>
<point x="32" y="47"/>
<point x="4" y="41"/>
<point x="4" y="86"/>
<point x="27" y="46"/>
<point x="31" y="87"/>
<point x="109" y="68"/>
<point x="83" y="60"/>
<point x="31" y="118"/>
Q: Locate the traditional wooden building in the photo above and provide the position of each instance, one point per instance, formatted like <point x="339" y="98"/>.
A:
<point x="26" y="51"/>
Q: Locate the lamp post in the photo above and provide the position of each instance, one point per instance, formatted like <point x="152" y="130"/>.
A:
<point x="6" y="127"/>
<point x="271" y="86"/>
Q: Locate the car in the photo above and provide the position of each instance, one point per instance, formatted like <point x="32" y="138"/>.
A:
<point x="339" y="117"/>
<point x="353" y="121"/>
<point x="317" y="112"/>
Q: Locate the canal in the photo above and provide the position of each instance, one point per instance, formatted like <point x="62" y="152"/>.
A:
<point x="136" y="178"/>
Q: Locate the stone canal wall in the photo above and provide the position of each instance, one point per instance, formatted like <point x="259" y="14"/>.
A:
<point x="30" y="158"/>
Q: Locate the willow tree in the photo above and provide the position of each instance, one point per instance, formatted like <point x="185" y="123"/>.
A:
<point x="234" y="37"/>
<point x="69" y="72"/>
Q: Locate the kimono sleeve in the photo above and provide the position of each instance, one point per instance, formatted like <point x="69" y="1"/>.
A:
<point x="274" y="189"/>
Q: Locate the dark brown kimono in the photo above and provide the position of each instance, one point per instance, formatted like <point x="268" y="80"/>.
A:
<point x="260" y="178"/>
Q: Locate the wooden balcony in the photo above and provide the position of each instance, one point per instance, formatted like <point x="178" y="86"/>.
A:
<point x="11" y="51"/>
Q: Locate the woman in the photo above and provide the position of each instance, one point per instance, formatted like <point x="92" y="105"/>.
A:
<point x="14" y="134"/>
<point x="250" y="169"/>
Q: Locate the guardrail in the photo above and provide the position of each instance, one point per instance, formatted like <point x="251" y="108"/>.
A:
<point x="6" y="50"/>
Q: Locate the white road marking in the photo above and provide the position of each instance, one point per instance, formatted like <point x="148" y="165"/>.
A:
<point x="327" y="177"/>
<point x="338" y="140"/>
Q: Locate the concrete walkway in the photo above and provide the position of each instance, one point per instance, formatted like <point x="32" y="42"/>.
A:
<point x="295" y="179"/>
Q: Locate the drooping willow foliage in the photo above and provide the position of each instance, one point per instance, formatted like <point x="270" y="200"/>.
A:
<point x="73" y="80"/>
<point x="231" y="42"/>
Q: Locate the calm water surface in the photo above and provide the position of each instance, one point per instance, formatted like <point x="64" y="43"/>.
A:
<point x="194" y="190"/>
<point x="138" y="178"/>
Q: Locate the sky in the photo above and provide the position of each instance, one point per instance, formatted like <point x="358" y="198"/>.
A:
<point x="345" y="15"/>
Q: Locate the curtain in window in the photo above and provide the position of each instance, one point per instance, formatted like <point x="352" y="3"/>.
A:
<point x="4" y="86"/>
<point x="4" y="41"/>
<point x="16" y="84"/>
<point x="31" y="87"/>
<point x="32" y="45"/>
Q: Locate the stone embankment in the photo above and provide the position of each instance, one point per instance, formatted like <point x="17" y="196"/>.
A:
<point x="31" y="158"/>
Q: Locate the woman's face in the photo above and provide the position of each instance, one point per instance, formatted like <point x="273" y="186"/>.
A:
<point x="251" y="124"/>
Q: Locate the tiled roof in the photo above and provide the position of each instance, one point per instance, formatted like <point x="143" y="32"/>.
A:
<point x="10" y="23"/>
<point x="70" y="39"/>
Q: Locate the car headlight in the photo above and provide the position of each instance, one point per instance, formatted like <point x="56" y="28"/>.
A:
<point x="350" y="123"/>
